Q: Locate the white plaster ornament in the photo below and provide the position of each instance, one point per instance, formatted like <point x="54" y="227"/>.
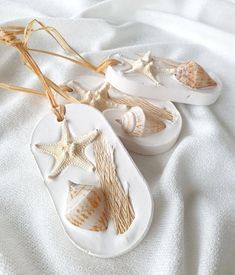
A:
<point x="76" y="192"/>
<point x="162" y="138"/>
<point x="147" y="138"/>
<point x="184" y="82"/>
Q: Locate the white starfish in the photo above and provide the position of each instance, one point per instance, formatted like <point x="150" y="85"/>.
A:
<point x="143" y="65"/>
<point x="69" y="151"/>
<point x="98" y="98"/>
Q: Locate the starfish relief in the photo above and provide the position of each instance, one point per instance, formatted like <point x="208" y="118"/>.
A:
<point x="98" y="98"/>
<point x="69" y="151"/>
<point x="143" y="65"/>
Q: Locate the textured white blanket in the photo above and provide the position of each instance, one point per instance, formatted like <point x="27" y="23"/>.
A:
<point x="193" y="185"/>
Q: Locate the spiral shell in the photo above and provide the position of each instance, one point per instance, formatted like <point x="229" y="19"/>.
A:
<point x="193" y="75"/>
<point x="135" y="123"/>
<point x="86" y="207"/>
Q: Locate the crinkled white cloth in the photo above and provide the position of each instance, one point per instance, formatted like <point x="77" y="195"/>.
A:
<point x="193" y="185"/>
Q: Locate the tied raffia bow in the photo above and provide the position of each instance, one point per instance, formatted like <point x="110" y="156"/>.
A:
<point x="18" y="38"/>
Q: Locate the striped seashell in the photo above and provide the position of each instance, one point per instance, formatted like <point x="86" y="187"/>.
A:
<point x="135" y="123"/>
<point x="86" y="207"/>
<point x="193" y="75"/>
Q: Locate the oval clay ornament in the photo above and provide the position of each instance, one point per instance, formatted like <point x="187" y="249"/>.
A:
<point x="64" y="152"/>
<point x="152" y="144"/>
<point x="168" y="89"/>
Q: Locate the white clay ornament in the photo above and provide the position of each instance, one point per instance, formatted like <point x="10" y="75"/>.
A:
<point x="104" y="210"/>
<point x="151" y="141"/>
<point x="164" y="80"/>
<point x="102" y="200"/>
<point x="160" y="121"/>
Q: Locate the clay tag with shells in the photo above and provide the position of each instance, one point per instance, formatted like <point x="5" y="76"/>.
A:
<point x="152" y="77"/>
<point x="144" y="126"/>
<point x="101" y="198"/>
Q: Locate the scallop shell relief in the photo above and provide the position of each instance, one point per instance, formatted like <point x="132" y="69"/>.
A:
<point x="86" y="207"/>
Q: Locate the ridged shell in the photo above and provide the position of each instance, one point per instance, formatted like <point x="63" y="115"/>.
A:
<point x="135" y="123"/>
<point x="193" y="75"/>
<point x="86" y="207"/>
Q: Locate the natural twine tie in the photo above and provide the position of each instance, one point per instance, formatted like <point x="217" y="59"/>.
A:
<point x="18" y="38"/>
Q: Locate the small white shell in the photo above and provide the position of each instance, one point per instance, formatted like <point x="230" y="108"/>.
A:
<point x="135" y="123"/>
<point x="86" y="207"/>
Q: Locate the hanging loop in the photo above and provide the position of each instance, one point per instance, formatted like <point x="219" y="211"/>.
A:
<point x="18" y="37"/>
<point x="59" y="112"/>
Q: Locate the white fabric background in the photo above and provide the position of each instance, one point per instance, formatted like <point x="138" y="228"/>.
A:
<point x="193" y="185"/>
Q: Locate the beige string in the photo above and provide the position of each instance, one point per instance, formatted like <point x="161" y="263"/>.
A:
<point x="18" y="38"/>
<point x="118" y="201"/>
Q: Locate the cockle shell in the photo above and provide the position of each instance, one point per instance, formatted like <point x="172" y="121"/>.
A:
<point x="193" y="75"/>
<point x="135" y="123"/>
<point x="86" y="207"/>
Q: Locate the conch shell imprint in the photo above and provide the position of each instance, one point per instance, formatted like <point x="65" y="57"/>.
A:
<point x="86" y="207"/>
<point x="135" y="123"/>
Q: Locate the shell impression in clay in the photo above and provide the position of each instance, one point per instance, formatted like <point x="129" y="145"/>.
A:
<point x="135" y="123"/>
<point x="193" y="75"/>
<point x="86" y="207"/>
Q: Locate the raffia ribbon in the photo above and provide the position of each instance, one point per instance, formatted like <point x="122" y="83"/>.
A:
<point x="18" y="38"/>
